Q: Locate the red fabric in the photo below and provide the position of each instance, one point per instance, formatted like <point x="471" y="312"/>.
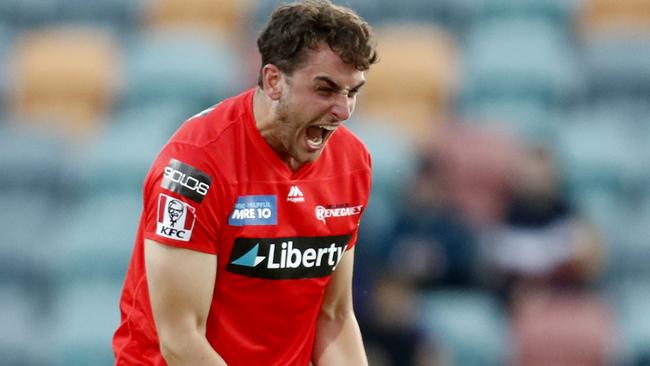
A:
<point x="252" y="321"/>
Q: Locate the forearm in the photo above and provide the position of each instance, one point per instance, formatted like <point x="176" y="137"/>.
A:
<point x="338" y="341"/>
<point x="189" y="349"/>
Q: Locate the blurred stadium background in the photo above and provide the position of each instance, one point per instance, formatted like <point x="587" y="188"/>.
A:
<point x="510" y="219"/>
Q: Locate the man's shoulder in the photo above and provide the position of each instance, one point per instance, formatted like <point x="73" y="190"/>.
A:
<point x="207" y="141"/>
<point x="213" y="124"/>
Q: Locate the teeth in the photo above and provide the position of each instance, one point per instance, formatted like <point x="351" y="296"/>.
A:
<point x="329" y="128"/>
<point x="315" y="142"/>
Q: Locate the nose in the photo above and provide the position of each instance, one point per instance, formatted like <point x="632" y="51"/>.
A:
<point x="342" y="107"/>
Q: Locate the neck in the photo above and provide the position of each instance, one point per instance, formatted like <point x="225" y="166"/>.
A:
<point x="261" y="109"/>
<point x="267" y="123"/>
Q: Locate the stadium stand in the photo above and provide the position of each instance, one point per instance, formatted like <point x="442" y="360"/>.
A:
<point x="63" y="76"/>
<point x="118" y="160"/>
<point x="518" y="71"/>
<point x="556" y="12"/>
<point x="180" y="65"/>
<point x="469" y="325"/>
<point x="31" y="166"/>
<point x="564" y="328"/>
<point x="631" y="298"/>
<point x="617" y="66"/>
<point x="226" y="17"/>
<point x="415" y="81"/>
<point x="20" y="314"/>
<point x="91" y="91"/>
<point x="6" y="37"/>
<point x="80" y="336"/>
<point x="607" y="16"/>
<point x="31" y="14"/>
<point x="86" y="250"/>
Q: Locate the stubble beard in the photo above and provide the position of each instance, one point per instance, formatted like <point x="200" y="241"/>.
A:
<point x="286" y="137"/>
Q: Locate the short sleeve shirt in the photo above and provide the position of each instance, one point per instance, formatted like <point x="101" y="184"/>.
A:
<point x="217" y="187"/>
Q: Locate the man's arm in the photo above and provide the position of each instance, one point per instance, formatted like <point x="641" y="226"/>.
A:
<point x="338" y="338"/>
<point x="181" y="283"/>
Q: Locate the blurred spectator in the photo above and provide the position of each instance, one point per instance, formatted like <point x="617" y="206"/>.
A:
<point x="431" y="244"/>
<point x="392" y="335"/>
<point x="542" y="238"/>
<point x="541" y="258"/>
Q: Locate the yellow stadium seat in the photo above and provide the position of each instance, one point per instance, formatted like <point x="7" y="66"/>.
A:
<point x="63" y="78"/>
<point x="615" y="16"/>
<point x="228" y="17"/>
<point x="415" y="80"/>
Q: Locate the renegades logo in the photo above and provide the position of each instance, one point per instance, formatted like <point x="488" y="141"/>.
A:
<point x="323" y="213"/>
<point x="287" y="258"/>
<point x="175" y="218"/>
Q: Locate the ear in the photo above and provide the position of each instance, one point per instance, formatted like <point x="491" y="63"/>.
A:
<point x="272" y="81"/>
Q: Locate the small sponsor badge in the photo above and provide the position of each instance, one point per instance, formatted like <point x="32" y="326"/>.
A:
<point x="295" y="195"/>
<point x="185" y="180"/>
<point x="330" y="211"/>
<point x="175" y="218"/>
<point x="254" y="210"/>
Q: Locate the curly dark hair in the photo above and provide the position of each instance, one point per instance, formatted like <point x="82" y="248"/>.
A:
<point x="294" y="26"/>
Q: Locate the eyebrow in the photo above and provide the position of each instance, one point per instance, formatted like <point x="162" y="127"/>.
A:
<point x="332" y="84"/>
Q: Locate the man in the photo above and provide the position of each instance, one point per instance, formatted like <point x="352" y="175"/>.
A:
<point x="245" y="247"/>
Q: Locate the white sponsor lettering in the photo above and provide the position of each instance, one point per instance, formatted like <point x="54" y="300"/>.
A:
<point x="308" y="258"/>
<point x="251" y="213"/>
<point x="291" y="257"/>
<point x="172" y="233"/>
<point x="186" y="181"/>
<point x="323" y="213"/>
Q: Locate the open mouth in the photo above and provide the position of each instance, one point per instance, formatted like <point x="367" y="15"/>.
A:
<point x="318" y="134"/>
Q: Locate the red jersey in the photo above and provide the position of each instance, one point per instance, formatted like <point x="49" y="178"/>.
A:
<point x="219" y="188"/>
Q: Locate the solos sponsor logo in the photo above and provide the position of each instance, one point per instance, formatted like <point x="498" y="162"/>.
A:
<point x="175" y="218"/>
<point x="325" y="212"/>
<point x="185" y="180"/>
<point x="287" y="258"/>
<point x="254" y="210"/>
<point x="295" y="195"/>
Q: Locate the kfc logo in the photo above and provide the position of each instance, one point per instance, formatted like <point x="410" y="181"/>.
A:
<point x="175" y="218"/>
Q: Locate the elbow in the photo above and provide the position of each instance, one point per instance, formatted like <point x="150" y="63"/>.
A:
<point x="170" y="350"/>
<point x="336" y="313"/>
<point x="168" y="354"/>
<point x="174" y="345"/>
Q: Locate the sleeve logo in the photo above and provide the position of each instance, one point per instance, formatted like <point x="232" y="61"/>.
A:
<point x="185" y="180"/>
<point x="175" y="218"/>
